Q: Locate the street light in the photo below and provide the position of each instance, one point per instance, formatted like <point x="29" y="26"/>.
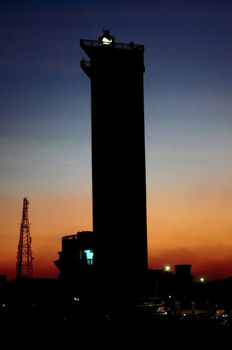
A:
<point x="167" y="268"/>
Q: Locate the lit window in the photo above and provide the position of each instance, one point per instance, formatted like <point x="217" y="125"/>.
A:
<point x="89" y="256"/>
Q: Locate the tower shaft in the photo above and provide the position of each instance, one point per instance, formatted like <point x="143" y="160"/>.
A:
<point x="24" y="266"/>
<point x="118" y="161"/>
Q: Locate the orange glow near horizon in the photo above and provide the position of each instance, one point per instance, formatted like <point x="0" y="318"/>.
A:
<point x="184" y="227"/>
<point x="192" y="227"/>
<point x="50" y="219"/>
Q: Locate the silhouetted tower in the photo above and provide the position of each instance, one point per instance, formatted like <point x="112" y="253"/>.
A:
<point x="118" y="161"/>
<point x="24" y="266"/>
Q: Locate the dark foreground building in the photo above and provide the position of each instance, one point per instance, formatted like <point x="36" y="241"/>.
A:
<point x="118" y="162"/>
<point x="76" y="256"/>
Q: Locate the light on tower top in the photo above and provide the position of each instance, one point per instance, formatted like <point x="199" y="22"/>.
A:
<point x="106" y="38"/>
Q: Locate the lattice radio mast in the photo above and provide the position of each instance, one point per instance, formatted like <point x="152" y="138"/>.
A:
<point x="24" y="266"/>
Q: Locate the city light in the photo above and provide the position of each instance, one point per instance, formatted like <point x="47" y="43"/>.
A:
<point x="167" y="268"/>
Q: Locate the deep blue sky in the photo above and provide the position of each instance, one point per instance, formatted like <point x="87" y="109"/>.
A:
<point x="45" y="108"/>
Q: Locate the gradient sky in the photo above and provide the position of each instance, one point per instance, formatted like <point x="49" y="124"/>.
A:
<point x="45" y="138"/>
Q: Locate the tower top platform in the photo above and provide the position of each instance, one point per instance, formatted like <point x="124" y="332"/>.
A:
<point x="107" y="41"/>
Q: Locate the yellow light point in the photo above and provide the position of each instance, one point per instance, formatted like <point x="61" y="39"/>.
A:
<point x="167" y="268"/>
<point x="202" y="279"/>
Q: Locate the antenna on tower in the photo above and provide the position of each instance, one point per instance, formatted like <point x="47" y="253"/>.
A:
<point x="24" y="266"/>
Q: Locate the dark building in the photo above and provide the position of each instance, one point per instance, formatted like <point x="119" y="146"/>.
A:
<point x="3" y="279"/>
<point x="75" y="261"/>
<point x="183" y="272"/>
<point x="118" y="161"/>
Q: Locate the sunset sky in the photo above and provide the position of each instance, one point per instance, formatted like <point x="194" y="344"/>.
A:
<point x="45" y="130"/>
